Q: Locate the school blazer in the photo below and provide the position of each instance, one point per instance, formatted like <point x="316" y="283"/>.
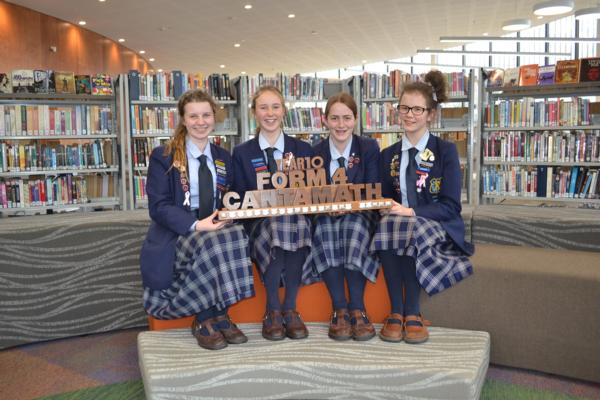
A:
<point x="440" y="198"/>
<point x="244" y="177"/>
<point x="365" y="154"/>
<point x="170" y="218"/>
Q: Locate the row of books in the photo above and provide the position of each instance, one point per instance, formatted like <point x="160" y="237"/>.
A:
<point x="303" y="119"/>
<point x="529" y="111"/>
<point x="542" y="182"/>
<point x="168" y="86"/>
<point x="556" y="146"/>
<point x="61" y="190"/>
<point x="142" y="148"/>
<point x="49" y="81"/>
<point x="380" y="116"/>
<point x="34" y="120"/>
<point x="378" y="86"/>
<point x="139" y="187"/>
<point x="565" y="71"/>
<point x="293" y="87"/>
<point x="49" y="157"/>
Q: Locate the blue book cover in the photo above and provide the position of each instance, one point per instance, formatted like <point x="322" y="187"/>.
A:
<point x="134" y="85"/>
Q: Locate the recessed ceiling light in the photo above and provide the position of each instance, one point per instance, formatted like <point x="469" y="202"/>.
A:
<point x="553" y="7"/>
<point x="101" y="1"/>
<point x="485" y="33"/>
<point x="291" y="15"/>
<point x="237" y="45"/>
<point x="160" y="70"/>
<point x="82" y="23"/>
<point x="151" y="59"/>
<point x="364" y="61"/>
<point x="222" y="66"/>
<point x="142" y="51"/>
<point x="121" y="40"/>
<point x="427" y="48"/>
<point x="248" y="6"/>
<point x="243" y="72"/>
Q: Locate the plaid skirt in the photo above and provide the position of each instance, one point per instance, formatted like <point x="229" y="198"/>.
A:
<point x="440" y="263"/>
<point x="288" y="232"/>
<point x="343" y="241"/>
<point x="212" y="269"/>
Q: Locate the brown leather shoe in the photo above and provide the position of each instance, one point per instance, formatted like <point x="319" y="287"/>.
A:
<point x="392" y="330"/>
<point x="294" y="327"/>
<point x="417" y="332"/>
<point x="229" y="330"/>
<point x="272" y="328"/>
<point x="206" y="336"/>
<point x="362" y="328"/>
<point x="339" y="327"/>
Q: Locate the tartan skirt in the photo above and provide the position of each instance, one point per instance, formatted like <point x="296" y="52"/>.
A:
<point x="439" y="262"/>
<point x="288" y="232"/>
<point x="212" y="269"/>
<point x="343" y="241"/>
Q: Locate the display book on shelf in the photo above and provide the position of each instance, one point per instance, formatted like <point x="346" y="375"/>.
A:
<point x="305" y="98"/>
<point x="542" y="144"/>
<point x="381" y="120"/>
<point x="58" y="150"/>
<point x="153" y="116"/>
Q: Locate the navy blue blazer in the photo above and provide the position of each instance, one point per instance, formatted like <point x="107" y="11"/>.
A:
<point x="363" y="170"/>
<point x="440" y="199"/>
<point x="170" y="218"/>
<point x="244" y="177"/>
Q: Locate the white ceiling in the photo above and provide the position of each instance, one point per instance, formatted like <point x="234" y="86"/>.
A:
<point x="199" y="35"/>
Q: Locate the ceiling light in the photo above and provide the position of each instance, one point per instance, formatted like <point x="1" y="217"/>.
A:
<point x="485" y="33"/>
<point x="470" y="39"/>
<point x="101" y="1"/>
<point x="160" y="70"/>
<point x="121" y="40"/>
<point x="151" y="59"/>
<point x="82" y="23"/>
<point x="248" y="6"/>
<point x="291" y="15"/>
<point x="243" y="72"/>
<point x="222" y="66"/>
<point x="364" y="61"/>
<point x="142" y="51"/>
<point x="516" y="24"/>
<point x="585" y="13"/>
<point x="237" y="45"/>
<point x="553" y="7"/>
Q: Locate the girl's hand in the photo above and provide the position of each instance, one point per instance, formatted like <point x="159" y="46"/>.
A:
<point x="210" y="223"/>
<point x="399" y="209"/>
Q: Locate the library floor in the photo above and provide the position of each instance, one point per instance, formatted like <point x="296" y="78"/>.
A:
<point x="60" y="366"/>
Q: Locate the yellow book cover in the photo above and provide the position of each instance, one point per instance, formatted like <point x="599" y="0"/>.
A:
<point x="567" y="71"/>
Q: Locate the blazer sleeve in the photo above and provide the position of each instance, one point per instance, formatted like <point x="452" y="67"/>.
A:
<point x="448" y="205"/>
<point x="161" y="196"/>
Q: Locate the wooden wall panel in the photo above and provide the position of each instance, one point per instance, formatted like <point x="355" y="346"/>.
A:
<point x="27" y="35"/>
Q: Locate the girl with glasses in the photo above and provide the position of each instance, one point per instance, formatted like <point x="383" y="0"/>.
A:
<point x="420" y="240"/>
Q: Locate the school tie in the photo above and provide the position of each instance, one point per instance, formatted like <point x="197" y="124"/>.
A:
<point x="205" y="189"/>
<point x="411" y="178"/>
<point x="271" y="164"/>
<point x="341" y="162"/>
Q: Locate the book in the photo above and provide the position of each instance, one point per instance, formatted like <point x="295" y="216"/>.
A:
<point x="495" y="77"/>
<point x="40" y="81"/>
<point x="177" y="84"/>
<point x="590" y="70"/>
<point x="528" y="75"/>
<point x="567" y="71"/>
<point x="83" y="84"/>
<point x="546" y="75"/>
<point x="102" y="85"/>
<point x="134" y="84"/>
<point x="51" y="86"/>
<point x="511" y="77"/>
<point x="65" y="82"/>
<point x="5" y="83"/>
<point x="22" y="81"/>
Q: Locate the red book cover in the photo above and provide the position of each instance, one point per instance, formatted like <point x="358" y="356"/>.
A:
<point x="590" y="70"/>
<point x="528" y="75"/>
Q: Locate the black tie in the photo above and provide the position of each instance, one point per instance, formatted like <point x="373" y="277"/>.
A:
<point x="205" y="189"/>
<point x="411" y="178"/>
<point x="341" y="161"/>
<point x="271" y="164"/>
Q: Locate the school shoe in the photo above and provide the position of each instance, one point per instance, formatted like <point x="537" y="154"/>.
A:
<point x="417" y="331"/>
<point x="393" y="328"/>
<point x="339" y="327"/>
<point x="362" y="328"/>
<point x="206" y="336"/>
<point x="229" y="330"/>
<point x="294" y="327"/>
<point x="272" y="328"/>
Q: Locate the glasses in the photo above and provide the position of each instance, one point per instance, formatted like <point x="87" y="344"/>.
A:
<point x="416" y="110"/>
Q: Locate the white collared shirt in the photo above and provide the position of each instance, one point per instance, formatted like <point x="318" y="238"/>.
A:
<point x="335" y="154"/>
<point x="406" y="145"/>
<point x="279" y="146"/>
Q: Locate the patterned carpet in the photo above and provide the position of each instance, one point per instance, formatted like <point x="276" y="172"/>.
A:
<point x="66" y="365"/>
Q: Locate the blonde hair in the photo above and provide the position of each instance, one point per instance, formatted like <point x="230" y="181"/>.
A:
<point x="176" y="146"/>
<point x="259" y="92"/>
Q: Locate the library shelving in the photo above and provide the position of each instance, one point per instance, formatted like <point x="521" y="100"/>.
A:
<point x="58" y="153"/>
<point x="151" y="116"/>
<point x="381" y="120"/>
<point x="541" y="144"/>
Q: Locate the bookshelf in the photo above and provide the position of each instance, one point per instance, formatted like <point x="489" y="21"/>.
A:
<point x="379" y="94"/>
<point x="541" y="145"/>
<point x="58" y="153"/>
<point x="150" y="116"/>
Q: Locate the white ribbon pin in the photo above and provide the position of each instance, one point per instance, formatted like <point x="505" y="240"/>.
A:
<point x="186" y="202"/>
